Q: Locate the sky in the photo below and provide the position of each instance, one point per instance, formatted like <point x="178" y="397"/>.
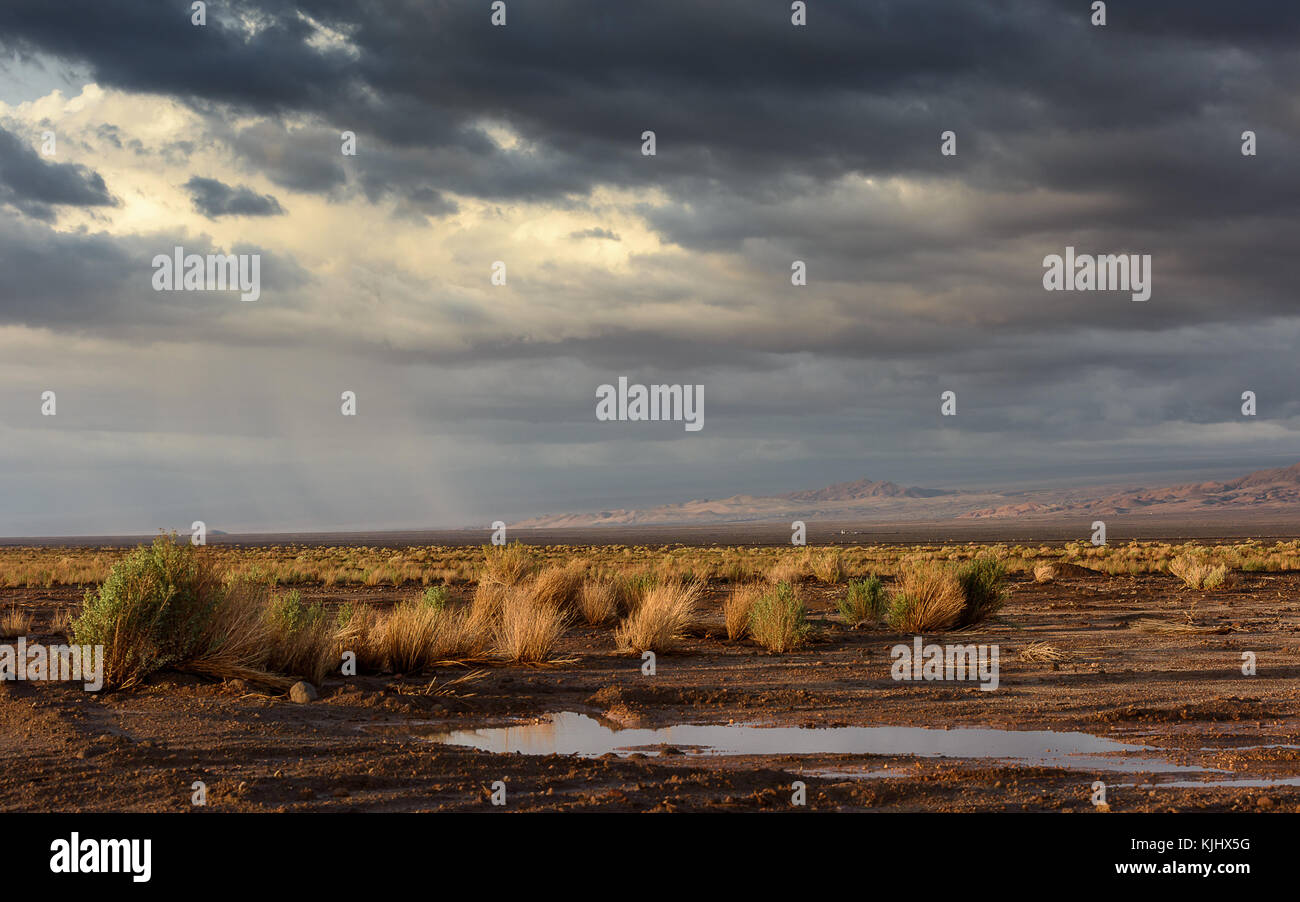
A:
<point x="522" y="144"/>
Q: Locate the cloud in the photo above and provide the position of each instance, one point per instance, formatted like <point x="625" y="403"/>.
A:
<point x="214" y="198"/>
<point x="36" y="186"/>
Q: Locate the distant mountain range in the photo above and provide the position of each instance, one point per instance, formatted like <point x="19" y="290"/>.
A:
<point x="1274" y="491"/>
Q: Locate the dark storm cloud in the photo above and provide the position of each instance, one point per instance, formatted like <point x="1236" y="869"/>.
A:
<point x="214" y="198"/>
<point x="36" y="186"/>
<point x="735" y="93"/>
<point x="100" y="284"/>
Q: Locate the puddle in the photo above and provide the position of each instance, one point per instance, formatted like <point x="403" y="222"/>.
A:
<point x="569" y="733"/>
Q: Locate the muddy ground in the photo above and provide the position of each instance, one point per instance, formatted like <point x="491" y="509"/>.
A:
<point x="368" y="742"/>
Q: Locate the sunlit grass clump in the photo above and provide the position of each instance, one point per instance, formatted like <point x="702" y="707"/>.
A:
<point x="1197" y="572"/>
<point x="864" y="602"/>
<point x="778" y="619"/>
<point x="927" y="598"/>
<point x="661" y="618"/>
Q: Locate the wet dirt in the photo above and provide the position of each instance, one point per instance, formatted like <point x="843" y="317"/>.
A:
<point x="1215" y="738"/>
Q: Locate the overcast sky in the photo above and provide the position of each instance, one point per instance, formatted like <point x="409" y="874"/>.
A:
<point x="522" y="144"/>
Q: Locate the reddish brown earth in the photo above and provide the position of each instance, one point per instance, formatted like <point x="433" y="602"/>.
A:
<point x="364" y="745"/>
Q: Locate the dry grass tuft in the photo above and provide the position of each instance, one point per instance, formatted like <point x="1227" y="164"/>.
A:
<point x="598" y="602"/>
<point x="528" y="627"/>
<point x="507" y="565"/>
<point x="1045" y="573"/>
<point x="735" y="610"/>
<point x="1199" y="573"/>
<point x="360" y="631"/>
<point x="789" y="569"/>
<point x="1041" y="653"/>
<point x="414" y="637"/>
<point x="661" y="620"/>
<point x="1152" y="625"/>
<point x="928" y="598"/>
<point x="827" y="565"/>
<point x="560" y="587"/>
<point x="236" y="640"/>
<point x="14" y="623"/>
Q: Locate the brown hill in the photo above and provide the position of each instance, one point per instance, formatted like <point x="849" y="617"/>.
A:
<point x="1275" y="491"/>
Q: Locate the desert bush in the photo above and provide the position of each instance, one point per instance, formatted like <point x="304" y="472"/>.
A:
<point x="864" y="602"/>
<point x="778" y="619"/>
<point x="1199" y="573"/>
<point x="827" y="564"/>
<point x="1044" y="573"/>
<point x="598" y="601"/>
<point x="529" y="626"/>
<point x="661" y="619"/>
<point x="927" y="598"/>
<point x="735" y="610"/>
<point x="151" y="612"/>
<point x="983" y="582"/>
<point x="434" y="597"/>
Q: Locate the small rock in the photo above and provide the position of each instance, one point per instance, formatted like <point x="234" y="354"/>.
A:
<point x="303" y="692"/>
<point x="1265" y="803"/>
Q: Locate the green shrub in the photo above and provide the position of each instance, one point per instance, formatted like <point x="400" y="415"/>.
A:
<point x="864" y="602"/>
<point x="152" y="611"/>
<point x="288" y="613"/>
<point x="435" y="597"/>
<point x="777" y="621"/>
<point x="301" y="637"/>
<point x="983" y="583"/>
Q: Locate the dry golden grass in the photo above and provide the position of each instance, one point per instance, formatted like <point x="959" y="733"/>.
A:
<point x="14" y="623"/>
<point x="1040" y="653"/>
<point x="598" y="602"/>
<point x="62" y="623"/>
<point x="827" y="564"/>
<point x="236" y="641"/>
<point x="507" y="565"/>
<point x="791" y="569"/>
<point x="288" y="565"/>
<point x="735" y="610"/>
<point x="361" y="634"/>
<point x="1153" y="625"/>
<point x="559" y="587"/>
<point x="528" y="628"/>
<point x="1045" y="573"/>
<point x="927" y="598"/>
<point x="661" y="620"/>
<point x="414" y="637"/>
<point x="1197" y="572"/>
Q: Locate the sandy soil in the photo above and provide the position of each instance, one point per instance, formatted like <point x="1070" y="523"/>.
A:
<point x="365" y="744"/>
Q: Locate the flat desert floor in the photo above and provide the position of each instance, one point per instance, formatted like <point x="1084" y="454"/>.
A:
<point x="1143" y="691"/>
